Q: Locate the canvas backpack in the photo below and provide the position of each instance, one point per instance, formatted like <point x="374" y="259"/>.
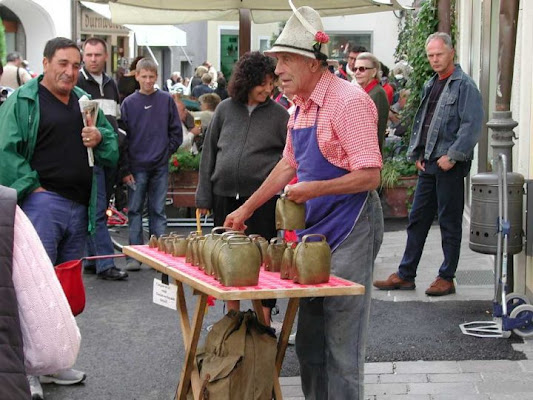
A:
<point x="238" y="359"/>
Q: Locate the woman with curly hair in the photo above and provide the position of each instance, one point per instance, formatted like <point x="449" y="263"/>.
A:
<point x="243" y="143"/>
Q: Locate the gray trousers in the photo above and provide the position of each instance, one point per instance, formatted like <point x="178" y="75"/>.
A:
<point x="331" y="336"/>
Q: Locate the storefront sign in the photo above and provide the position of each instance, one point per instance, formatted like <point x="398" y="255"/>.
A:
<point x="93" y="22"/>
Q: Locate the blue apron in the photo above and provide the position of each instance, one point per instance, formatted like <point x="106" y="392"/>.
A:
<point x="334" y="215"/>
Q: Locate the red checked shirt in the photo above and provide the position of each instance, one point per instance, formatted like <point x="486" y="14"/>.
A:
<point x="347" y="124"/>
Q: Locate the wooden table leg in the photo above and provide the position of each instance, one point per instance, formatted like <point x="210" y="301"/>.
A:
<point x="288" y="321"/>
<point x="189" y="373"/>
<point x="290" y="314"/>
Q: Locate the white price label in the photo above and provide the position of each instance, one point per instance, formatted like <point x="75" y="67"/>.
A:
<point x="165" y="295"/>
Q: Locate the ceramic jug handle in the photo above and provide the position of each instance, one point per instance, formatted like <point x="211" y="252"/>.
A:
<point x="314" y="235"/>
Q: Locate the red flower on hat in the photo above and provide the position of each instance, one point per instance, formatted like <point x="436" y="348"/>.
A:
<point x="321" y="37"/>
<point x="176" y="163"/>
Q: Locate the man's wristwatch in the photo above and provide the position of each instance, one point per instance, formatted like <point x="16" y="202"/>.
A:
<point x="451" y="160"/>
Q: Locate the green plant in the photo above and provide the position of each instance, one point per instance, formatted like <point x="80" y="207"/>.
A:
<point x="183" y="160"/>
<point x="394" y="168"/>
<point x="414" y="30"/>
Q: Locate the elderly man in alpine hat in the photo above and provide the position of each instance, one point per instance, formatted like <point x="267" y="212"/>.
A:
<point x="332" y="146"/>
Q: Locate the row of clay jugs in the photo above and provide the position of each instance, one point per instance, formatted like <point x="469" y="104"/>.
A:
<point x="275" y="254"/>
<point x="311" y="261"/>
<point x="237" y="261"/>
<point x="289" y="215"/>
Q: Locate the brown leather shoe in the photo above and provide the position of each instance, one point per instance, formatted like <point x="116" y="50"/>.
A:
<point x="394" y="282"/>
<point x="441" y="287"/>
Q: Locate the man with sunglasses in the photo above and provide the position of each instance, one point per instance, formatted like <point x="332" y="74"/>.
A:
<point x="446" y="129"/>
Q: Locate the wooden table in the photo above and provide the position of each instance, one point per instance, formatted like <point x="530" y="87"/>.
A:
<point x="270" y="286"/>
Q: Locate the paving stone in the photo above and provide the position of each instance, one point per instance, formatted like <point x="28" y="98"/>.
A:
<point x="527" y="365"/>
<point x="403" y="378"/>
<point x="385" y="388"/>
<point x="290" y="380"/>
<point x="427" y="367"/>
<point x="465" y="377"/>
<point x="405" y="397"/>
<point x="481" y="396"/>
<point x="486" y="366"/>
<point x="514" y="396"/>
<point x="292" y="391"/>
<point x="512" y="376"/>
<point x="372" y="379"/>
<point x="505" y="387"/>
<point x="379" y="368"/>
<point x="457" y="388"/>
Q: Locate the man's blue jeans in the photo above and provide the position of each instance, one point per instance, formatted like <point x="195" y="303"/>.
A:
<point x="443" y="192"/>
<point x="100" y="243"/>
<point x="154" y="184"/>
<point x="60" y="223"/>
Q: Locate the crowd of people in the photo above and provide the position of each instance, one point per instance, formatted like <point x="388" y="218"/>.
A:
<point x="288" y="120"/>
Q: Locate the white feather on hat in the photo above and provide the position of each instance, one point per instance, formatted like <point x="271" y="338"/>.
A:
<point x="303" y="34"/>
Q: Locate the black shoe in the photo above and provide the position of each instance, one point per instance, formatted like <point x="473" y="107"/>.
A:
<point x="89" y="269"/>
<point x="113" y="274"/>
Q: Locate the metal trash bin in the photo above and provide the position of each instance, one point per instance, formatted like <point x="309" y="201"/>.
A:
<point x="484" y="212"/>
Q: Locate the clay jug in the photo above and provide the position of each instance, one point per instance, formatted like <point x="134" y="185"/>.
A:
<point x="180" y="247"/>
<point x="275" y="254"/>
<point x="209" y="245"/>
<point x="196" y="250"/>
<point x="289" y="215"/>
<point x="152" y="243"/>
<point x="218" y="244"/>
<point x="188" y="251"/>
<point x="239" y="261"/>
<point x="312" y="261"/>
<point x="262" y="244"/>
<point x="287" y="270"/>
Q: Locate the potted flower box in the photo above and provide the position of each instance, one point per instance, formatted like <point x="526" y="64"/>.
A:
<point x="183" y="178"/>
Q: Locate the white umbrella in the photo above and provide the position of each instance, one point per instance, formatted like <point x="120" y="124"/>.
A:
<point x="261" y="11"/>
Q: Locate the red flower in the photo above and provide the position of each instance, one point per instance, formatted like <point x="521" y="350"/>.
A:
<point x="176" y="163"/>
<point x="321" y="37"/>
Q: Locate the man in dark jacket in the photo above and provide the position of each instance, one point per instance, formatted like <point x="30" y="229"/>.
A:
<point x="446" y="129"/>
<point x="94" y="81"/>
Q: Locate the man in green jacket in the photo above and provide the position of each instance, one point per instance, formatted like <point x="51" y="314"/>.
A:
<point x="43" y="155"/>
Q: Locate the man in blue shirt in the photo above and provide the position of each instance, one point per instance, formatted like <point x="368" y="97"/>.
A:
<point x="151" y="121"/>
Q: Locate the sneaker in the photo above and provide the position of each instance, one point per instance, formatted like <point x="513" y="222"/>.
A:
<point x="36" y="389"/>
<point x="113" y="274"/>
<point x="394" y="282"/>
<point x="292" y="339"/>
<point x="133" y="265"/>
<point x="65" y="377"/>
<point x="440" y="287"/>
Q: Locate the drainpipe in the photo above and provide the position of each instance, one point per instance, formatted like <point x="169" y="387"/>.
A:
<point x="502" y="124"/>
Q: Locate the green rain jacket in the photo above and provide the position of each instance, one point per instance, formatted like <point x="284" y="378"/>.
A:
<point x="19" y="123"/>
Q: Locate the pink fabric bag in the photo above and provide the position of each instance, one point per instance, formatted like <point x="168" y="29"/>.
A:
<point x="49" y="331"/>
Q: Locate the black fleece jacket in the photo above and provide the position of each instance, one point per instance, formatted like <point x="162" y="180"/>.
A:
<point x="240" y="149"/>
